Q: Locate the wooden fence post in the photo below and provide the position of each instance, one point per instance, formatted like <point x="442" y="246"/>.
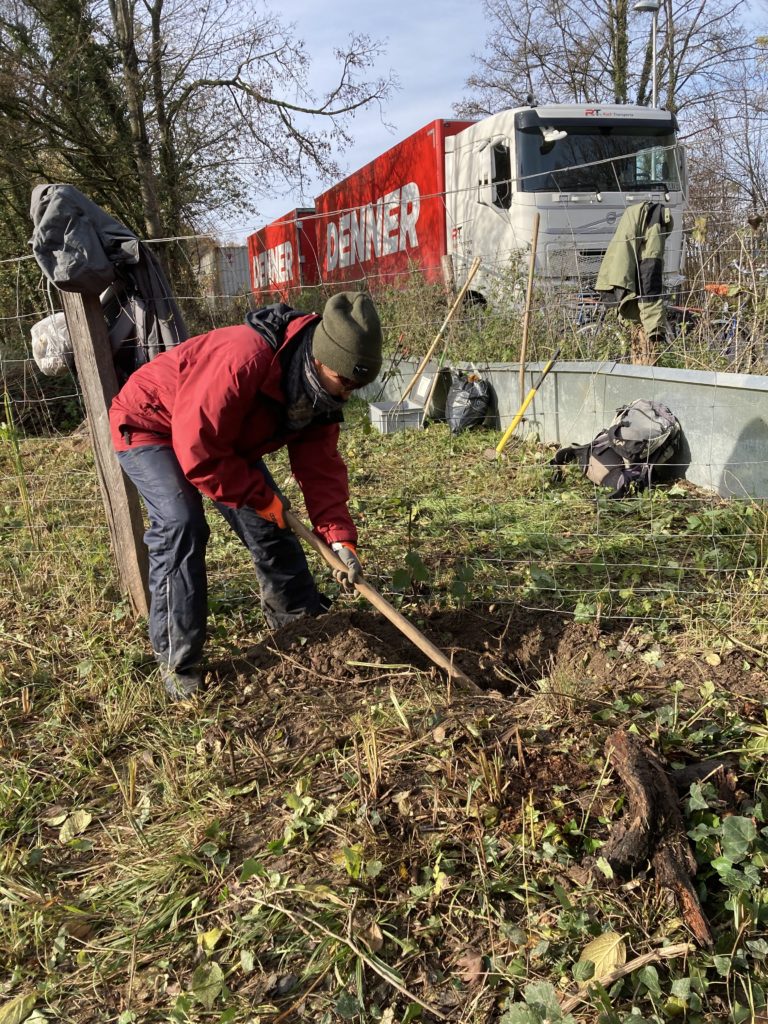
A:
<point x="98" y="380"/>
<point x="449" y="278"/>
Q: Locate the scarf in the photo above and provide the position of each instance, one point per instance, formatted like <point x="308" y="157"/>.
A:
<point x="306" y="396"/>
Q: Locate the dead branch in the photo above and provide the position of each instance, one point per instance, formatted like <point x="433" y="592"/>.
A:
<point x="653" y="828"/>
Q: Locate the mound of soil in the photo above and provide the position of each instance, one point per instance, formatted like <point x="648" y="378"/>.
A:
<point x="509" y="650"/>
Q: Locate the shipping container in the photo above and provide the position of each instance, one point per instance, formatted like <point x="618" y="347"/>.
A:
<point x="282" y="255"/>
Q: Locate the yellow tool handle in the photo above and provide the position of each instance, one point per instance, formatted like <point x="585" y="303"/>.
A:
<point x="526" y="402"/>
<point x="518" y="416"/>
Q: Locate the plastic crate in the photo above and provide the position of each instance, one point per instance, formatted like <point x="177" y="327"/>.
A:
<point x="389" y="417"/>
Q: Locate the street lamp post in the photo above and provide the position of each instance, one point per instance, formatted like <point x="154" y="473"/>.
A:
<point x="652" y="6"/>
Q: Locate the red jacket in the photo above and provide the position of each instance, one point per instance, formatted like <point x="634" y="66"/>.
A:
<point x="218" y="400"/>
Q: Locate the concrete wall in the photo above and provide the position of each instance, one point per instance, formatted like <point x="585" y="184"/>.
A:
<point x="724" y="416"/>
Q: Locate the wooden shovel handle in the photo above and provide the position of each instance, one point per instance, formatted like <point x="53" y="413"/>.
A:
<point x="381" y="604"/>
<point x="456" y="303"/>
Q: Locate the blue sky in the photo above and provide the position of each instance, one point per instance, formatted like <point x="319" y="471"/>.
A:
<point x="428" y="45"/>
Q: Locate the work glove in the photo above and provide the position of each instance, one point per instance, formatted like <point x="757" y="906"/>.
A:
<point x="275" y="511"/>
<point x="353" y="570"/>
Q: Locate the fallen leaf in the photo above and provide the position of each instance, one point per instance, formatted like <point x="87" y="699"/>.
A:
<point x="403" y="802"/>
<point x="282" y="984"/>
<point x="470" y="967"/>
<point x="373" y="936"/>
<point x="18" y="1009"/>
<point x="209" y="940"/>
<point x="607" y="952"/>
<point x="207" y="984"/>
<point x="76" y="823"/>
<point x="56" y="814"/>
<point x="324" y="894"/>
<point x="79" y="928"/>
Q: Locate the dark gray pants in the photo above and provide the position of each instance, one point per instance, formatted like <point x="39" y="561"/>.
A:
<point x="177" y="538"/>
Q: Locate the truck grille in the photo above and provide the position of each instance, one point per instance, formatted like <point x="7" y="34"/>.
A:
<point x="573" y="263"/>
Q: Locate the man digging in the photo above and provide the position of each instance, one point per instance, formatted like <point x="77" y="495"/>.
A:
<point x="199" y="418"/>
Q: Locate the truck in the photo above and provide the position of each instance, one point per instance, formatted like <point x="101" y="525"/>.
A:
<point x="455" y="190"/>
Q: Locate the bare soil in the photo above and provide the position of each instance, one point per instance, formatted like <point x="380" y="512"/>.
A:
<point x="506" y="649"/>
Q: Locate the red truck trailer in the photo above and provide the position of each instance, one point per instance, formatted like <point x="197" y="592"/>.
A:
<point x="377" y="225"/>
<point x="281" y="255"/>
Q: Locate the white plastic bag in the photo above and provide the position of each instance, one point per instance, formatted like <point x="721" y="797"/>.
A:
<point x="52" y="346"/>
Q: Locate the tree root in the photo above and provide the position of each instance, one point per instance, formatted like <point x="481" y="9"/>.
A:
<point x="653" y="828"/>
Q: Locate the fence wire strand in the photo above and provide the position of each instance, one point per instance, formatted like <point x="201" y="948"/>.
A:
<point x="686" y="553"/>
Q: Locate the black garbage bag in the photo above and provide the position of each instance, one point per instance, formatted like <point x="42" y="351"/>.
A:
<point x="468" y="401"/>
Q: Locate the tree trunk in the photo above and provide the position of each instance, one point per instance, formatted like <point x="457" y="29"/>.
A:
<point x="668" y="50"/>
<point x="620" y="34"/>
<point x="122" y="18"/>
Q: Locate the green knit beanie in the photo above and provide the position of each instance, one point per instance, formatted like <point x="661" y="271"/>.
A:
<point x="348" y="339"/>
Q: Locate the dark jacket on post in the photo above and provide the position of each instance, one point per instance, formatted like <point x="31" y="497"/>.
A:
<point x="80" y="248"/>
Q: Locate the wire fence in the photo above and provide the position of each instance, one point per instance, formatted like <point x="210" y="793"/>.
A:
<point x="443" y="525"/>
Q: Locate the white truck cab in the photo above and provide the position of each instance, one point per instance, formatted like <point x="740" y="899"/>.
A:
<point x="579" y="167"/>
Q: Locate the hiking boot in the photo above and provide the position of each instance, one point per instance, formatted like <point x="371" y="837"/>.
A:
<point x="180" y="685"/>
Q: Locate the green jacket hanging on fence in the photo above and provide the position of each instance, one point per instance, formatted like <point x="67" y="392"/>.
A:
<point x="631" y="275"/>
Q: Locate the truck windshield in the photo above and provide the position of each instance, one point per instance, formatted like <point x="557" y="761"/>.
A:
<point x="590" y="159"/>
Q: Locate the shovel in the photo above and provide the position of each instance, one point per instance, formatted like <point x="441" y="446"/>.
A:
<point x="370" y="593"/>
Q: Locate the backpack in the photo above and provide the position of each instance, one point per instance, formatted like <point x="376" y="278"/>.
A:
<point x="623" y="456"/>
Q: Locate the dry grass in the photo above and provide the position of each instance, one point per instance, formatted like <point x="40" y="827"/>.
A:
<point x="345" y="842"/>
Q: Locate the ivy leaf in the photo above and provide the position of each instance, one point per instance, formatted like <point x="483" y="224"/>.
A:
<point x="584" y="612"/>
<point x="607" y="952"/>
<point x="419" y="571"/>
<point x="541" y="1006"/>
<point x="207" y="984"/>
<point x="649" y="976"/>
<point x="583" y="970"/>
<point x="412" y="1012"/>
<point x="738" y="834"/>
<point x="347" y="1006"/>
<point x="251" y="867"/>
<point x="697" y="801"/>
<point x="543" y="580"/>
<point x="401" y="579"/>
<point x="373" y="868"/>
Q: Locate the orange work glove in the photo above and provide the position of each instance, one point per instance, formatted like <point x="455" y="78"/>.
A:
<point x="274" y="512"/>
